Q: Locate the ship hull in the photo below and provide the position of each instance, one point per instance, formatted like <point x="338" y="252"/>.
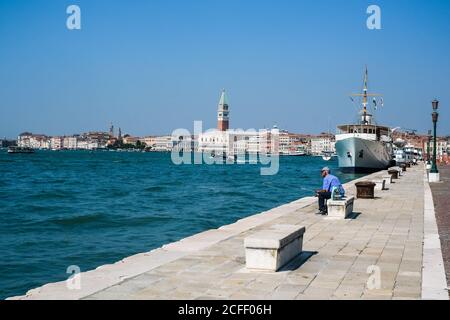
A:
<point x="358" y="155"/>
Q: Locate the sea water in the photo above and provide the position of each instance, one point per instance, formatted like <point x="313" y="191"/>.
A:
<point x="59" y="209"/>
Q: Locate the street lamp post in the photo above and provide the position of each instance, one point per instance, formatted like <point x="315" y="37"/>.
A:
<point x="434" y="173"/>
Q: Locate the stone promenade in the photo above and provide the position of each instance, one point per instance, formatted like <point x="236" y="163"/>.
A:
<point x="377" y="254"/>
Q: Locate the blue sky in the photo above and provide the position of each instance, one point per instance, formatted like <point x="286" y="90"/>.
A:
<point x="156" y="65"/>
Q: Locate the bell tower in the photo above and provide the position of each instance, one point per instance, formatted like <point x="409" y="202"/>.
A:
<point x="223" y="112"/>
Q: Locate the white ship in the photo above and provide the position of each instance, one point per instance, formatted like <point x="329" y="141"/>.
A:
<point x="364" y="146"/>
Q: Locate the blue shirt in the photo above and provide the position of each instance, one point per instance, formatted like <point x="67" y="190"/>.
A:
<point x="331" y="181"/>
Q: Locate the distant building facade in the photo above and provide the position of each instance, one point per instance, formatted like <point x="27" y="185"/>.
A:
<point x="127" y="139"/>
<point x="69" y="143"/>
<point x="34" y="141"/>
<point x="163" y="143"/>
<point x="56" y="143"/>
<point x="185" y="143"/>
<point x="323" y="143"/>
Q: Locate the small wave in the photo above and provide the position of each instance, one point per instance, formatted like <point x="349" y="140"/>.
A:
<point x="235" y="207"/>
<point x="7" y="160"/>
<point x="50" y="196"/>
<point x="163" y="200"/>
<point x="145" y="220"/>
<point x="234" y="193"/>
<point x="77" y="220"/>
<point x="119" y="193"/>
<point x="154" y="189"/>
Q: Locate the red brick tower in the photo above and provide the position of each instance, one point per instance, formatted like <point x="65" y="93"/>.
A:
<point x="223" y="123"/>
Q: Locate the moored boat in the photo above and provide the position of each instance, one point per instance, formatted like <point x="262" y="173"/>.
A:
<point x="15" y="149"/>
<point x="327" y="155"/>
<point x="364" y="146"/>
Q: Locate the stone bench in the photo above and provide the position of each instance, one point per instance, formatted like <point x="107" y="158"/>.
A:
<point x="400" y="171"/>
<point x="340" y="209"/>
<point x="380" y="184"/>
<point x="387" y="180"/>
<point x="272" y="249"/>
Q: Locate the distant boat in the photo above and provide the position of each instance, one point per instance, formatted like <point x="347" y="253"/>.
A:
<point x="294" y="153"/>
<point x="327" y="155"/>
<point x="15" y="149"/>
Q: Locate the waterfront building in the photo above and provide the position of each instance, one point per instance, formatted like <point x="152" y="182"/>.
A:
<point x="214" y="141"/>
<point x="301" y="143"/>
<point x="23" y="140"/>
<point x="441" y="148"/>
<point x="56" y="143"/>
<point x="410" y="138"/>
<point x="34" y="141"/>
<point x="111" y="141"/>
<point x="408" y="153"/>
<point x="418" y="143"/>
<point x="322" y="143"/>
<point x="293" y="143"/>
<point x="39" y="141"/>
<point x="82" y="144"/>
<point x="69" y="143"/>
<point x="237" y="142"/>
<point x="93" y="145"/>
<point x="268" y="140"/>
<point x="86" y="144"/>
<point x="96" y="139"/>
<point x="163" y="143"/>
<point x="285" y="142"/>
<point x="127" y="139"/>
<point x="185" y="143"/>
<point x="149" y="141"/>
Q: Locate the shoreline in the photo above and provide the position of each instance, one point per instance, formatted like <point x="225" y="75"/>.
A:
<point x="107" y="275"/>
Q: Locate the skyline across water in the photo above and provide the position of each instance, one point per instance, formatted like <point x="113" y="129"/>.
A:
<point x="150" y="69"/>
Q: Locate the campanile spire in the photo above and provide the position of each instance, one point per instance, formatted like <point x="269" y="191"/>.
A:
<point x="223" y="123"/>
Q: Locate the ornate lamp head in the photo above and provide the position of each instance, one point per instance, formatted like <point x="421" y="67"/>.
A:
<point x="435" y="104"/>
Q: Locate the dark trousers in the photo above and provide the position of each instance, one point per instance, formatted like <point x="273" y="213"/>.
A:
<point x="322" y="196"/>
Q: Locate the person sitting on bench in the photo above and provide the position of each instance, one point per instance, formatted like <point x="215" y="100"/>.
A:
<point x="329" y="182"/>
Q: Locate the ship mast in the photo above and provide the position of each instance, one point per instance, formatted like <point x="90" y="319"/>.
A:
<point x="366" y="75"/>
<point x="365" y="95"/>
